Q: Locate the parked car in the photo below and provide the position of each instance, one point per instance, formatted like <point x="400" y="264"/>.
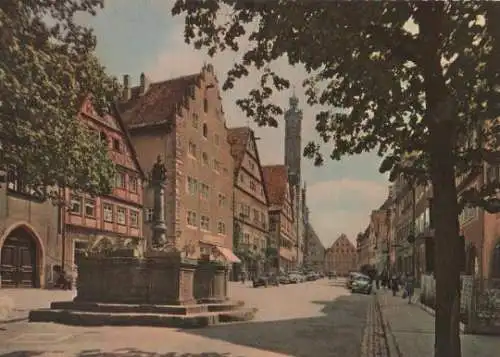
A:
<point x="284" y="279"/>
<point x="332" y="275"/>
<point x="266" y="280"/>
<point x="312" y="276"/>
<point x="295" y="278"/>
<point x="362" y="284"/>
<point x="351" y="277"/>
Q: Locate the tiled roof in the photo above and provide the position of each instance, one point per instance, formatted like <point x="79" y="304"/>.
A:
<point x="238" y="139"/>
<point x="340" y="239"/>
<point x="159" y="103"/>
<point x="275" y="179"/>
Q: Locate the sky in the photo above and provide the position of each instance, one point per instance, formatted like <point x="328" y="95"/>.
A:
<point x="136" y="36"/>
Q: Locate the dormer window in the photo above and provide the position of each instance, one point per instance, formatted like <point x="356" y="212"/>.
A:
<point x="205" y="130"/>
<point x="116" y="145"/>
<point x="205" y="105"/>
<point x="103" y="137"/>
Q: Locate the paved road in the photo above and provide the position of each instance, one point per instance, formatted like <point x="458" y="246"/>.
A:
<point x="306" y="320"/>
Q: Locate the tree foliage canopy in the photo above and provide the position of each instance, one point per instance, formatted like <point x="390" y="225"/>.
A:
<point x="47" y="69"/>
<point x="376" y="59"/>
<point x="418" y="80"/>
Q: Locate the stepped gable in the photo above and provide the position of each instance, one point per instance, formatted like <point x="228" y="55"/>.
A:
<point x="159" y="103"/>
<point x="276" y="178"/>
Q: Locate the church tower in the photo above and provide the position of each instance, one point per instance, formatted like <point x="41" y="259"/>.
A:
<point x="293" y="157"/>
<point x="293" y="141"/>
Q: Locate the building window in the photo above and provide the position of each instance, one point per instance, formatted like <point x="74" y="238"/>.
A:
<point x="217" y="165"/>
<point x="246" y="238"/>
<point x="225" y="171"/>
<point x="192" y="186"/>
<point x="149" y="214"/>
<point x="242" y="178"/>
<point x="205" y="223"/>
<point x="192" y="149"/>
<point x="204" y="158"/>
<point x="107" y="211"/>
<point x="120" y="180"/>
<point x="221" y="228"/>
<point x="205" y="105"/>
<point x="103" y="137"/>
<point x="121" y="215"/>
<point x="192" y="219"/>
<point x="134" y="218"/>
<point x="196" y="120"/>
<point x="253" y="187"/>
<point x="222" y="200"/>
<point x="216" y="139"/>
<point x="133" y="184"/>
<point x="90" y="208"/>
<point x="204" y="191"/>
<point x="255" y="215"/>
<point x="205" y="130"/>
<point x="252" y="165"/>
<point x="76" y="205"/>
<point x="116" y="145"/>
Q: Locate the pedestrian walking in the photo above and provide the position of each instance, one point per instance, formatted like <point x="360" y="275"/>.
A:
<point x="394" y="284"/>
<point x="409" y="287"/>
<point x="243" y="277"/>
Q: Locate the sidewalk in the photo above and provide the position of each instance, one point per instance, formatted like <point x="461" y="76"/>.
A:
<point x="15" y="304"/>
<point x="410" y="331"/>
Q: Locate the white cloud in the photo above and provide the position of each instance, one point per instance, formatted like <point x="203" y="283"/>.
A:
<point x="181" y="59"/>
<point x="343" y="206"/>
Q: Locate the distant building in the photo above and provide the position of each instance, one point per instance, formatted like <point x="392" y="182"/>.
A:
<point x="251" y="217"/>
<point x="314" y="258"/>
<point x="341" y="256"/>
<point x="282" y="235"/>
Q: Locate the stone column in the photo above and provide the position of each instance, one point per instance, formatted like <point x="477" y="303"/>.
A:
<point x="159" y="227"/>
<point x="220" y="284"/>
<point x="186" y="282"/>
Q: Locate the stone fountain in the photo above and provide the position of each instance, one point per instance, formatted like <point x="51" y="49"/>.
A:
<point x="162" y="288"/>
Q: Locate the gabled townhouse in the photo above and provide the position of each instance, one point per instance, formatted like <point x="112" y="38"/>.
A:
<point x="250" y="215"/>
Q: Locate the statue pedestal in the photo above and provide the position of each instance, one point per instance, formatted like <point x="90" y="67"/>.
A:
<point x="159" y="278"/>
<point x="210" y="282"/>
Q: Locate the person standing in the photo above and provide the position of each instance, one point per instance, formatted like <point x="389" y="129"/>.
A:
<point x="394" y="284"/>
<point x="409" y="286"/>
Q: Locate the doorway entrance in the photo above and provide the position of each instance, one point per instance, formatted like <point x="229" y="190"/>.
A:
<point x="18" y="268"/>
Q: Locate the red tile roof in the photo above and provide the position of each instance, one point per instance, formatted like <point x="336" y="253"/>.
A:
<point x="238" y="139"/>
<point x="275" y="179"/>
<point x="159" y="103"/>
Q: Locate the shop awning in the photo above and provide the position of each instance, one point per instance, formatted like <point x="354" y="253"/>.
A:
<point x="228" y="254"/>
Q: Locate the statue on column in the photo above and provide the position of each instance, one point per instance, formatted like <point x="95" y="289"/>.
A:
<point x="158" y="177"/>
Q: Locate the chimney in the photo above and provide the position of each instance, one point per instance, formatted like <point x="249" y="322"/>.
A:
<point x="144" y="84"/>
<point x="126" y="95"/>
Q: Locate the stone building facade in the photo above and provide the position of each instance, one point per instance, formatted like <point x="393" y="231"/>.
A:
<point x="182" y="121"/>
<point x="113" y="220"/>
<point x="30" y="242"/>
<point x="363" y="248"/>
<point x="282" y="235"/>
<point x="341" y="256"/>
<point x="251" y="217"/>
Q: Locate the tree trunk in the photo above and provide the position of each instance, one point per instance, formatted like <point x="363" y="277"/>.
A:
<point x="447" y="253"/>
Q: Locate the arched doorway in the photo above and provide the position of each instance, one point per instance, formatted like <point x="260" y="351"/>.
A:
<point x="18" y="264"/>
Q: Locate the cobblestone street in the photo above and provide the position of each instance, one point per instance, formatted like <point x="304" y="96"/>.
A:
<point x="305" y="320"/>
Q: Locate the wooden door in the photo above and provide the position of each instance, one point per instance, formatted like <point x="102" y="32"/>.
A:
<point x="18" y="265"/>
